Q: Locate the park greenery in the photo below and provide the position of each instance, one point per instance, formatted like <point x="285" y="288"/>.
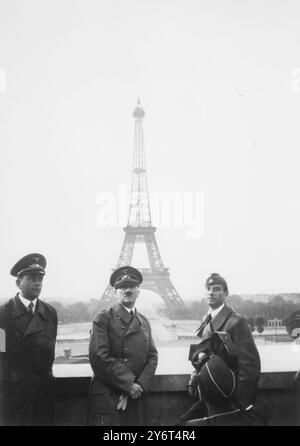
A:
<point x="75" y="312"/>
<point x="257" y="312"/>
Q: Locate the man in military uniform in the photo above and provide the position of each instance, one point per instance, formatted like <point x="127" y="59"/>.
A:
<point x="122" y="355"/>
<point x="222" y="318"/>
<point x="30" y="328"/>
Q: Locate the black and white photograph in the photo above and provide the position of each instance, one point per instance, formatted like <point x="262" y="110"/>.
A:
<point x="150" y="215"/>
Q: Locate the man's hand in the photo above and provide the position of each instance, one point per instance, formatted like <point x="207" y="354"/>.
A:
<point x="136" y="391"/>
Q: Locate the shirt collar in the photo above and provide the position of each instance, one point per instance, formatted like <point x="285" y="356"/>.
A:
<point x="216" y="311"/>
<point x="129" y="309"/>
<point x="26" y="302"/>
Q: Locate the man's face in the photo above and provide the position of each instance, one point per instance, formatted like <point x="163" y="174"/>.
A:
<point x="30" y="285"/>
<point x="127" y="296"/>
<point x="215" y="296"/>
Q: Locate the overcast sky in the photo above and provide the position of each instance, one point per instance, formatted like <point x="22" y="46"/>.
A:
<point x="220" y="85"/>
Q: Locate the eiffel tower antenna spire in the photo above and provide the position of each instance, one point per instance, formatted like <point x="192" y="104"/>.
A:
<point x="139" y="208"/>
<point x="139" y="229"/>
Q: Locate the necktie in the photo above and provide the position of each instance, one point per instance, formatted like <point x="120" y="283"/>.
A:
<point x="30" y="308"/>
<point x="204" y="324"/>
<point x="207" y="319"/>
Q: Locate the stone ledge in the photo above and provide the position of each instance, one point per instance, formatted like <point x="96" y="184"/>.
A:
<point x="172" y="383"/>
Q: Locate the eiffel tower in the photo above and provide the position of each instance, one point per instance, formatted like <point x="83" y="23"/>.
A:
<point x="139" y="229"/>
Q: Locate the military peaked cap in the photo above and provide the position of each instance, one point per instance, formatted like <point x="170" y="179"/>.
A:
<point x="30" y="264"/>
<point x="126" y="276"/>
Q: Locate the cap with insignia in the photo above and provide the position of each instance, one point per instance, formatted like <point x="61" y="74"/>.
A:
<point x="216" y="279"/>
<point x="126" y="276"/>
<point x="30" y="264"/>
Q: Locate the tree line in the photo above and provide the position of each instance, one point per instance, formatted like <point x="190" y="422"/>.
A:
<point x="256" y="312"/>
<point x="75" y="312"/>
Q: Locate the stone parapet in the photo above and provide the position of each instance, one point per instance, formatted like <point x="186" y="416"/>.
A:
<point x="278" y="396"/>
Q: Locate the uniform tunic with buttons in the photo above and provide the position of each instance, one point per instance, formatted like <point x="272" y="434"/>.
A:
<point x="121" y="352"/>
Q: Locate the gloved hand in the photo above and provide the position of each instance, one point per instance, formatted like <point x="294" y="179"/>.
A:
<point x="193" y="386"/>
<point x="122" y="403"/>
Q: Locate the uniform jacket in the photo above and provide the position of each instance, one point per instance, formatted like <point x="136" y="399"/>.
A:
<point x="30" y="341"/>
<point x="26" y="382"/>
<point x="249" y="362"/>
<point x="121" y="352"/>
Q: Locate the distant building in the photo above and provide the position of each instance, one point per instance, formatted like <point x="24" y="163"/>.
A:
<point x="278" y="323"/>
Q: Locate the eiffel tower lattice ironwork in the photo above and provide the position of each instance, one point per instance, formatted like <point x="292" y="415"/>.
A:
<point x="139" y="229"/>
